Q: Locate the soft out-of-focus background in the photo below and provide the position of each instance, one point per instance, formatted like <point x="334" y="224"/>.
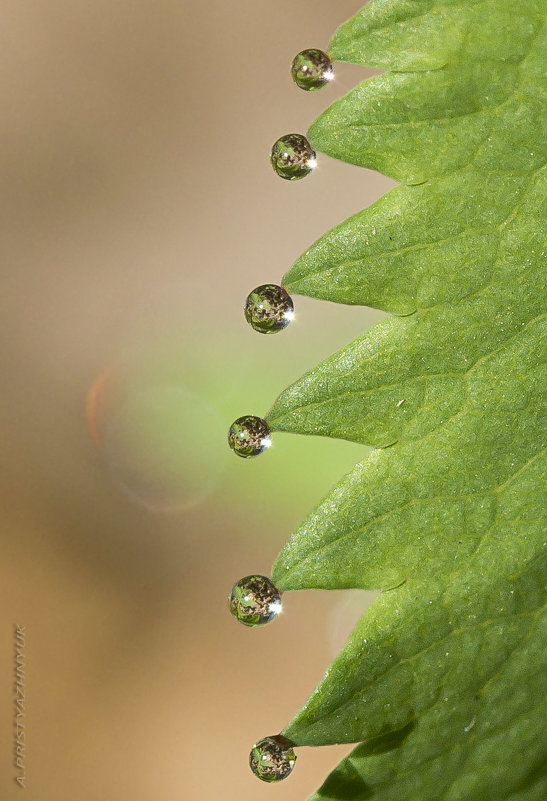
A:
<point x="138" y="208"/>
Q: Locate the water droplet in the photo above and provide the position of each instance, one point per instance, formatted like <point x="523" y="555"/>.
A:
<point x="249" y="436"/>
<point x="292" y="157"/>
<point x="312" y="69"/>
<point x="269" y="308"/>
<point x="272" y="759"/>
<point x="255" y="600"/>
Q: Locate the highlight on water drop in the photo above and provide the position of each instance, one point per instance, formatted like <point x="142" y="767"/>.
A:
<point x="249" y="436"/>
<point x="272" y="759"/>
<point x="255" y="600"/>
<point x="312" y="69"/>
<point x="292" y="157"/>
<point x="269" y="309"/>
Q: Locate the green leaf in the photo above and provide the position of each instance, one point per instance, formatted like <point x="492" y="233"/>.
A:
<point x="443" y="682"/>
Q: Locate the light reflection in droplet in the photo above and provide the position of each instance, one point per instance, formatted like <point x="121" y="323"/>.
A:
<point x="255" y="600"/>
<point x="269" y="308"/>
<point x="312" y="69"/>
<point x="292" y="157"/>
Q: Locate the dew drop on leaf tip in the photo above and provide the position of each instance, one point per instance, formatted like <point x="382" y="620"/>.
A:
<point x="269" y="309"/>
<point x="249" y="436"/>
<point x="292" y="157"/>
<point x="272" y="759"/>
<point x="312" y="69"/>
<point x="255" y="600"/>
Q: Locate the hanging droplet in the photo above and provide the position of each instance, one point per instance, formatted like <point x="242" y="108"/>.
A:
<point x="255" y="600"/>
<point x="312" y="69"/>
<point x="292" y="157"/>
<point x="249" y="436"/>
<point x="272" y="758"/>
<point x="269" y="308"/>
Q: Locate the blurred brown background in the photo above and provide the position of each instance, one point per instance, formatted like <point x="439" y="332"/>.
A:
<point x="138" y="209"/>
